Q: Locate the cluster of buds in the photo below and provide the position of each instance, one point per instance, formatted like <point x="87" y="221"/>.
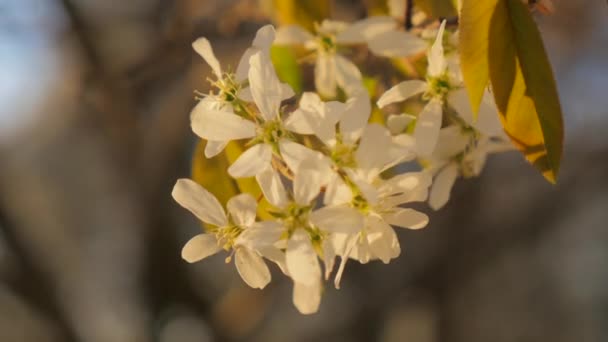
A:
<point x="338" y="186"/>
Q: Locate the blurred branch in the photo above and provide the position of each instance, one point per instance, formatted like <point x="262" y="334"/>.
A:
<point x="31" y="284"/>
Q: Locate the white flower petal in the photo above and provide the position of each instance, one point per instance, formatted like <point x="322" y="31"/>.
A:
<point x="203" y="48"/>
<point x="372" y="154"/>
<point x="398" y="123"/>
<point x="451" y="142"/>
<point x="437" y="61"/>
<point x="245" y="93"/>
<point x="213" y="148"/>
<point x="307" y="183"/>
<point x="272" y="187"/>
<point x="200" y="247"/>
<point x="442" y="186"/>
<point x="358" y="110"/>
<point x="329" y="257"/>
<point x="252" y="268"/>
<point x="337" y="192"/>
<point x="488" y="120"/>
<point x="275" y="255"/>
<point x="397" y="44"/>
<point x="302" y="122"/>
<point x="383" y="242"/>
<point x="242" y="208"/>
<point x="401" y="92"/>
<point x="266" y="89"/>
<point x="292" y="34"/>
<point x="459" y="100"/>
<point x="253" y="161"/>
<point x="325" y="75"/>
<point x="367" y="29"/>
<point x="264" y="38"/>
<point x="307" y="298"/>
<point x="294" y="154"/>
<point x="407" y="218"/>
<point x="242" y="69"/>
<point x="427" y="128"/>
<point x="221" y="126"/>
<point x="348" y="75"/>
<point x="260" y="235"/>
<point x="302" y="262"/>
<point x="337" y="219"/>
<point x="199" y="201"/>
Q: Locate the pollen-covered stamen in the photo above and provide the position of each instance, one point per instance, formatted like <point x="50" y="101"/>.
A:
<point x="227" y="86"/>
<point x="271" y="132"/>
<point x="226" y="236"/>
<point x="326" y="44"/>
<point x="343" y="155"/>
<point x="438" y="87"/>
<point x="296" y="216"/>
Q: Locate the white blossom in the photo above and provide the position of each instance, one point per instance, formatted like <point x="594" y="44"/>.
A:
<point x="333" y="70"/>
<point x="225" y="231"/>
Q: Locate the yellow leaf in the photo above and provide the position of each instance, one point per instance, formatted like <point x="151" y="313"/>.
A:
<point x="437" y="8"/>
<point x="500" y="42"/>
<point x="286" y="65"/>
<point x="302" y="12"/>
<point x="211" y="174"/>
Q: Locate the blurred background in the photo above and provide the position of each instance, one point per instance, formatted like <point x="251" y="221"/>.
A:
<point x="94" y="130"/>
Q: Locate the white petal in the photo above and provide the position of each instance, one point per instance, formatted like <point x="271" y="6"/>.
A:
<point x="203" y="48"/>
<point x="292" y="34"/>
<point x="407" y="218"/>
<point x="348" y="75"/>
<point x="350" y="245"/>
<point x="307" y="183"/>
<point x="302" y="122"/>
<point x="337" y="219"/>
<point x="488" y="120"/>
<point x="383" y="242"/>
<point x="459" y="100"/>
<point x="302" y="262"/>
<point x="253" y="161"/>
<point x="264" y="37"/>
<point x="401" y="92"/>
<point x="252" y="268"/>
<point x="325" y="75"/>
<point x="451" y="142"/>
<point x="337" y="192"/>
<point x="272" y="187"/>
<point x="242" y="70"/>
<point x="242" y="208"/>
<point x="199" y="201"/>
<point x="427" y="128"/>
<point x="358" y="110"/>
<point x="307" y="298"/>
<point x="329" y="257"/>
<point x="397" y="44"/>
<point x="213" y="148"/>
<point x="398" y="123"/>
<point x="372" y="153"/>
<point x="367" y="29"/>
<point x="221" y="126"/>
<point x="266" y="89"/>
<point x="294" y="154"/>
<point x="200" y="247"/>
<point x="442" y="186"/>
<point x="275" y="255"/>
<point x="437" y="61"/>
<point x="260" y="235"/>
<point x="245" y="93"/>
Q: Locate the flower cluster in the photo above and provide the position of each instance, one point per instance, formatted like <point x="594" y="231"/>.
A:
<point x="337" y="184"/>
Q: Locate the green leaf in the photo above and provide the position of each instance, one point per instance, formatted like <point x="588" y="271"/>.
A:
<point x="286" y="64"/>
<point x="302" y="12"/>
<point x="500" y="43"/>
<point x="437" y="8"/>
